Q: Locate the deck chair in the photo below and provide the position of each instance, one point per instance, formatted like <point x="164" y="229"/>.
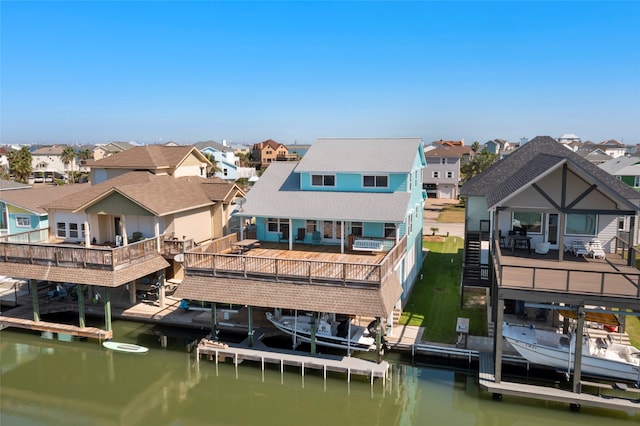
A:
<point x="580" y="247"/>
<point x="595" y="249"/>
<point x="316" y="237"/>
<point x="284" y="235"/>
<point x="300" y="235"/>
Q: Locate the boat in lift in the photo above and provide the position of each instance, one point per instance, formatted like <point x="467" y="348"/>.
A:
<point x="601" y="356"/>
<point x="329" y="332"/>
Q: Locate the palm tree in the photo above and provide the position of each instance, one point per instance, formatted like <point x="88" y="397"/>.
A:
<point x="214" y="164"/>
<point x="20" y="164"/>
<point x="67" y="157"/>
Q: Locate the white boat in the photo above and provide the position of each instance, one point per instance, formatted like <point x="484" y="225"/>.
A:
<point x="601" y="357"/>
<point x="328" y="333"/>
<point x="125" y="347"/>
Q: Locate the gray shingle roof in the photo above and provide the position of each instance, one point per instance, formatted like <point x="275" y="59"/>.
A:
<point x="277" y="194"/>
<point x="529" y="162"/>
<point x="354" y="155"/>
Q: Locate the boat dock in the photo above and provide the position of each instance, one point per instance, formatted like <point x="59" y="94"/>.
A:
<point x="264" y="355"/>
<point x="487" y="382"/>
<point x="57" y="328"/>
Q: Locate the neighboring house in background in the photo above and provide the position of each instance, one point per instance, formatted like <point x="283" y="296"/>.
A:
<point x="630" y="174"/>
<point x="47" y="164"/>
<point x="615" y="164"/>
<point x="613" y="148"/>
<point x="269" y="151"/>
<point x="298" y="150"/>
<point x="569" y="138"/>
<point x="498" y="146"/>
<point x="21" y="206"/>
<point x="105" y="150"/>
<point x="594" y="156"/>
<point x="363" y="215"/>
<point x="226" y="160"/>
<point x="441" y="177"/>
<point x="4" y="160"/>
<point x="176" y="161"/>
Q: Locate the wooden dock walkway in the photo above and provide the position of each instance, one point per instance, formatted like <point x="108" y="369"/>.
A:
<point x="91" y="332"/>
<point x="487" y="382"/>
<point x="347" y="365"/>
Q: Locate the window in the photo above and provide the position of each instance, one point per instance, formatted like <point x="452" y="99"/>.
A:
<point x="530" y="221"/>
<point x="356" y="229"/>
<point x="581" y="224"/>
<point x="73" y="230"/>
<point x="389" y="230"/>
<point x="621" y="223"/>
<point x="377" y="181"/>
<point x="276" y="225"/>
<point x="311" y="226"/>
<point x="636" y="181"/>
<point x="23" y="221"/>
<point x="225" y="172"/>
<point x="449" y="175"/>
<point x="435" y="175"/>
<point x="323" y="180"/>
<point x="443" y="161"/>
<point x="61" y="229"/>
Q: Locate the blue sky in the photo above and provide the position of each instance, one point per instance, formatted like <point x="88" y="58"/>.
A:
<point x="93" y="72"/>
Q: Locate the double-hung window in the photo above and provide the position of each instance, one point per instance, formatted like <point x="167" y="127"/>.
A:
<point x="23" y="221"/>
<point x="375" y="181"/>
<point x="323" y="180"/>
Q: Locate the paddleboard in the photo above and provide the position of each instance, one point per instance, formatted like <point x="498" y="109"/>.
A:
<point x="125" y="347"/>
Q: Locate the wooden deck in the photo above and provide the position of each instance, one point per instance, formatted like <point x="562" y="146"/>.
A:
<point x="487" y="383"/>
<point x="91" y="332"/>
<point x="608" y="278"/>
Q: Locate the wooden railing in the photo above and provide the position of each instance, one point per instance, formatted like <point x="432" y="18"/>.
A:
<point x="217" y="264"/>
<point x="626" y="251"/>
<point x="68" y="255"/>
<point x="173" y="246"/>
<point x="33" y="236"/>
<point x="568" y="280"/>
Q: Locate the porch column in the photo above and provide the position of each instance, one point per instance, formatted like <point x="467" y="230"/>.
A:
<point x="156" y="232"/>
<point x="631" y="258"/>
<point x="132" y="292"/>
<point x="496" y="230"/>
<point x="214" y="321"/>
<point x="87" y="234"/>
<point x="577" y="367"/>
<point x="80" y="292"/>
<point x="161" y="283"/>
<point x="250" y="320"/>
<point x="290" y="234"/>
<point x="33" y="285"/>
<point x="123" y="222"/>
<point x="342" y="236"/>
<point x="107" y="308"/>
<point x="378" y="341"/>
<point x="563" y="221"/>
<point x="313" y="335"/>
<point x="498" y="341"/>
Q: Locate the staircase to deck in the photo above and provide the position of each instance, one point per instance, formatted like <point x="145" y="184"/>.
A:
<point x="473" y="273"/>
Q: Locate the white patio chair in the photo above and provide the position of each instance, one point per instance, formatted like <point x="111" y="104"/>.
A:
<point x="595" y="249"/>
<point x="580" y="247"/>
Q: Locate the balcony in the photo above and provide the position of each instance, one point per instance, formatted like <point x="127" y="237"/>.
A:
<point x="305" y="264"/>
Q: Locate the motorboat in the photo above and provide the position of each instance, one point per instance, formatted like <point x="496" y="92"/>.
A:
<point x="329" y="332"/>
<point x="601" y="356"/>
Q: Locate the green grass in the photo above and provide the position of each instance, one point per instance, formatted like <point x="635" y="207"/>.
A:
<point x="435" y="301"/>
<point x="632" y="328"/>
<point x="452" y="214"/>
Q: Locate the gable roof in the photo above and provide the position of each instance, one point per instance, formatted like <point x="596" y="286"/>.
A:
<point x="6" y="185"/>
<point x="212" y="144"/>
<point x="615" y="164"/>
<point x="442" y="151"/>
<point x="149" y="157"/>
<point x="632" y="170"/>
<point x="268" y="143"/>
<point x="277" y="194"/>
<point x="361" y="155"/>
<point x="152" y="192"/>
<point x="50" y="150"/>
<point x="529" y="162"/>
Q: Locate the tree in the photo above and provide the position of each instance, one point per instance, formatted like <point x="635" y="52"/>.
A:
<point x="477" y="164"/>
<point x="475" y="147"/>
<point x="67" y="157"/>
<point x="20" y="164"/>
<point x="214" y="164"/>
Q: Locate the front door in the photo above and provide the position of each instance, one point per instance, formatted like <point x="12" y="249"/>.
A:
<point x="331" y="231"/>
<point x="551" y="235"/>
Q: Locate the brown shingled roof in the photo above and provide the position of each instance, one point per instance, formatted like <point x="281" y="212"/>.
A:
<point x="34" y="199"/>
<point x="148" y="157"/>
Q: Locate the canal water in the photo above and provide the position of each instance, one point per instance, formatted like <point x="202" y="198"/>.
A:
<point x="52" y="382"/>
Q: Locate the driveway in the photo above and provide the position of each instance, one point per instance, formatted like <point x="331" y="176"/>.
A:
<point x="432" y="208"/>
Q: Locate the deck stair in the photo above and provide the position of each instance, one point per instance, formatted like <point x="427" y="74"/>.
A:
<point x="472" y="273"/>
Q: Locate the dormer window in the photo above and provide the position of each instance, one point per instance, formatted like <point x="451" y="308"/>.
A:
<point x="323" y="180"/>
<point x="375" y="181"/>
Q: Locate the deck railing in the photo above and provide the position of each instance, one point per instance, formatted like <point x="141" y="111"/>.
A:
<point x="77" y="256"/>
<point x="566" y="279"/>
<point x="173" y="246"/>
<point x="310" y="271"/>
<point x="33" y="236"/>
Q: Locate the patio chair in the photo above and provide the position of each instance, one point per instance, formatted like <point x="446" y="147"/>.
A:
<point x="300" y="235"/>
<point x="316" y="237"/>
<point x="595" y="249"/>
<point x="284" y="235"/>
<point x="580" y="248"/>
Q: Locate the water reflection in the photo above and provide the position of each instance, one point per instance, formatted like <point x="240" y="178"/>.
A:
<point x="46" y="382"/>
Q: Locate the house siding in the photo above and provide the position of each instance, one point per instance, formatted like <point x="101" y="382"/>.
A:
<point x="117" y="205"/>
<point x="195" y="224"/>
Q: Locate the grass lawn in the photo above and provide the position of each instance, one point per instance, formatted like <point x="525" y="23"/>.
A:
<point x="435" y="301"/>
<point x="453" y="213"/>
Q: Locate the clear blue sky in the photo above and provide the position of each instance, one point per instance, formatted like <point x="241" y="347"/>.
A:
<point x="93" y="72"/>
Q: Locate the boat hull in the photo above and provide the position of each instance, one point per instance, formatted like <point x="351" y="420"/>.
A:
<point x="125" y="347"/>
<point x="558" y="351"/>
<point x="287" y="324"/>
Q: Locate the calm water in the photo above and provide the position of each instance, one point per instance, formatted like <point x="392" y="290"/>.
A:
<point x="49" y="382"/>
